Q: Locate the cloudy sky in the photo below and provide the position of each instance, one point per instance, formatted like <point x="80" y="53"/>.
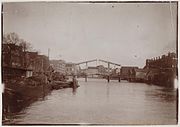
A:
<point x="124" y="33"/>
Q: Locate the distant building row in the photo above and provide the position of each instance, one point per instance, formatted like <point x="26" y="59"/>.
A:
<point x="98" y="71"/>
<point x="159" y="70"/>
<point x="64" y="68"/>
<point x="17" y="63"/>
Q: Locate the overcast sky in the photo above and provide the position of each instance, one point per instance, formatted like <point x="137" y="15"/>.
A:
<point x="124" y="33"/>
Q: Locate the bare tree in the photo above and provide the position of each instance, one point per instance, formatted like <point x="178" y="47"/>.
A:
<point x="26" y="46"/>
<point x="11" y="38"/>
<point x="13" y="41"/>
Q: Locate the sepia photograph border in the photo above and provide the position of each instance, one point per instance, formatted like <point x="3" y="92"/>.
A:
<point x="92" y="1"/>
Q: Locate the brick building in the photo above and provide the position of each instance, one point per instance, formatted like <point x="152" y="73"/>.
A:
<point x="162" y="70"/>
<point x="164" y="62"/>
<point x="13" y="62"/>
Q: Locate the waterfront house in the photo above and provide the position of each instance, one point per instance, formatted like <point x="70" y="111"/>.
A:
<point x="15" y="72"/>
<point x="71" y="68"/>
<point x="126" y="71"/>
<point x="58" y="66"/>
<point x="13" y="62"/>
<point x="30" y="59"/>
<point x="162" y="70"/>
<point x="138" y="75"/>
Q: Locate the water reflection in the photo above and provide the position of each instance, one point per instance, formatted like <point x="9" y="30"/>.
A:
<point x="15" y="102"/>
<point x="163" y="94"/>
<point x="99" y="102"/>
<point x="74" y="90"/>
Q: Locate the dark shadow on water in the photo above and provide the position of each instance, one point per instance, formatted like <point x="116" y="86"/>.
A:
<point x="163" y="94"/>
<point x="15" y="103"/>
<point x="74" y="90"/>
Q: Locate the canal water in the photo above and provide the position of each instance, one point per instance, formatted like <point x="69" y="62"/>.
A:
<point x="99" y="102"/>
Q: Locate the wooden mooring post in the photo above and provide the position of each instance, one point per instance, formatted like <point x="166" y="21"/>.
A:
<point x="74" y="82"/>
<point x="86" y="72"/>
<point x="108" y="79"/>
<point x="119" y="79"/>
<point x="108" y="72"/>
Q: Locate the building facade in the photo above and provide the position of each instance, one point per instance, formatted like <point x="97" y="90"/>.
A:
<point x="125" y="72"/>
<point x="71" y="69"/>
<point x="13" y="62"/>
<point x="30" y="59"/>
<point x="138" y="75"/>
<point x="58" y="66"/>
<point x="162" y="70"/>
<point x="12" y="55"/>
<point x="41" y="63"/>
<point x="165" y="61"/>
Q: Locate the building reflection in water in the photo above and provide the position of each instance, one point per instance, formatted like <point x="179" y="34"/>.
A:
<point x="163" y="94"/>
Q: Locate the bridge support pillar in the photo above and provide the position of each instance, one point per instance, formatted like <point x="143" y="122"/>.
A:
<point x="86" y="71"/>
<point x="108" y="79"/>
<point x="119" y="79"/>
